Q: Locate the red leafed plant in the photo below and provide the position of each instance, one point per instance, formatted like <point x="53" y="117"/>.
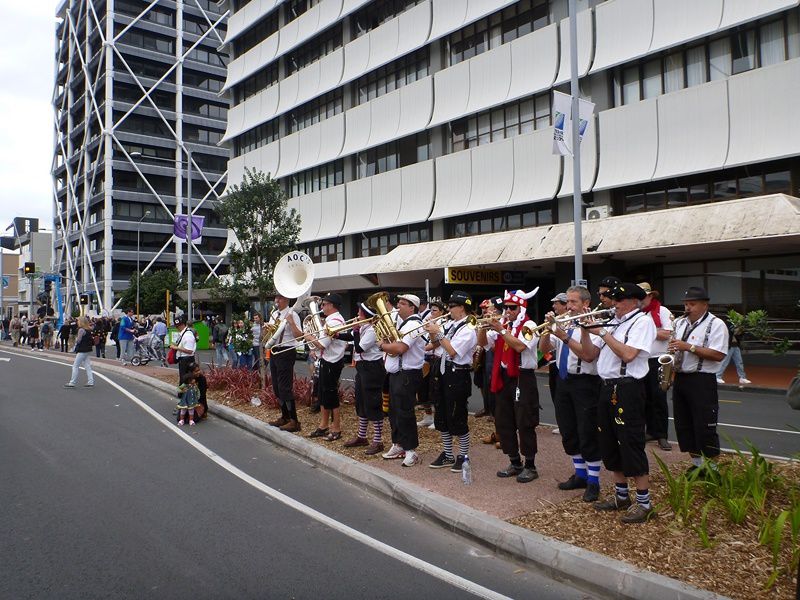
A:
<point x="240" y="385"/>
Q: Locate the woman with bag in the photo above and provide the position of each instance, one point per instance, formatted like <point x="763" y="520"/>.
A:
<point x="83" y="352"/>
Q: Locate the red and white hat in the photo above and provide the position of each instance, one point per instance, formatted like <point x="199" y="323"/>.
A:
<point x="519" y="297"/>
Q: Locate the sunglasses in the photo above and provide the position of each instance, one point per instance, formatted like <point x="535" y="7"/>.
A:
<point x="511" y="307"/>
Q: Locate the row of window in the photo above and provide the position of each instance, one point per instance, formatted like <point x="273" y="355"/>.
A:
<point x="124" y="92"/>
<point x="394" y="155"/>
<point x="755" y="180"/>
<point x="295" y="8"/>
<point x="146" y="152"/>
<point x="392" y="76"/>
<point x="317" y="178"/>
<point x="325" y="250"/>
<point x="193" y="133"/>
<point x="378" y="243"/>
<point x="258" y="81"/>
<point x="203" y="81"/>
<point x="497" y="29"/>
<point x="256" y="137"/>
<point x="156" y="14"/>
<point x="317" y="110"/>
<point x="742" y="50"/>
<point x="377" y="13"/>
<point x="142" y="125"/>
<point x="146" y="40"/>
<point x="314" y="49"/>
<point x="256" y="34"/>
<point x="509" y="120"/>
<point x="205" y="108"/>
<point x="509" y="219"/>
<point x="203" y="55"/>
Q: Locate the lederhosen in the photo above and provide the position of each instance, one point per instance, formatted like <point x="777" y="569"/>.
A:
<point x="695" y="403"/>
<point x="370" y="375"/>
<point x="456" y="386"/>
<point x="281" y="370"/>
<point x="575" y="400"/>
<point x="620" y="421"/>
<point x="403" y="387"/>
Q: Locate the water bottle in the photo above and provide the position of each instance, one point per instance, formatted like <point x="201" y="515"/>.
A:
<point x="466" y="471"/>
<point x="516" y="395"/>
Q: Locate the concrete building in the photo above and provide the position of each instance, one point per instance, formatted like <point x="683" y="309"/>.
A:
<point x="416" y="135"/>
<point x="136" y="90"/>
<point x="9" y="293"/>
<point x="31" y="245"/>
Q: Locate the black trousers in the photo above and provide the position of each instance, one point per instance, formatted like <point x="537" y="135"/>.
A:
<point x="423" y="393"/>
<point x="369" y="389"/>
<point x="516" y="418"/>
<point x="185" y="365"/>
<point x="552" y="380"/>
<point x="655" y="408"/>
<point x="620" y="421"/>
<point x="695" y="403"/>
<point x="576" y="415"/>
<point x="329" y="373"/>
<point x="403" y="387"/>
<point x="451" y="404"/>
<point x="489" y="397"/>
<point x="281" y="371"/>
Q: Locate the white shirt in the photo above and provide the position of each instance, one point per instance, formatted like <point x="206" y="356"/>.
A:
<point x="287" y="338"/>
<point x="414" y="357"/>
<point x="717" y="340"/>
<point x="187" y="341"/>
<point x="369" y="344"/>
<point x="255" y="330"/>
<point x="586" y="368"/>
<point x="464" y="339"/>
<point x="640" y="331"/>
<point x="529" y="358"/>
<point x="660" y="346"/>
<point x="333" y="348"/>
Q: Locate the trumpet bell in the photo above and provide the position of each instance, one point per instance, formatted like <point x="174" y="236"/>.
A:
<point x="293" y="274"/>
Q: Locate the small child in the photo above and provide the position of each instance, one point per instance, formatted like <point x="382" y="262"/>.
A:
<point x="202" y="387"/>
<point x="188" y="395"/>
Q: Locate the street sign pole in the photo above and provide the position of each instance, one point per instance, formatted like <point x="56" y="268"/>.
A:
<point x="577" y="203"/>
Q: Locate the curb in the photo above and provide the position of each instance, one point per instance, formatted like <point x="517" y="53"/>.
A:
<point x="559" y="560"/>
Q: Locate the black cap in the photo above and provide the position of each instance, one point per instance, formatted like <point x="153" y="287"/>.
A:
<point x="610" y="282"/>
<point x="334" y="299"/>
<point x="179" y="320"/>
<point x="497" y="302"/>
<point x="623" y="291"/>
<point x="696" y="293"/>
<point x="436" y="301"/>
<point x="459" y="297"/>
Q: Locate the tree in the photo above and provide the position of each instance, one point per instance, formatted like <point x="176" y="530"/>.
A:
<point x="152" y="285"/>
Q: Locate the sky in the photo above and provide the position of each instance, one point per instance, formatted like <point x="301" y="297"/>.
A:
<point x="27" y="46"/>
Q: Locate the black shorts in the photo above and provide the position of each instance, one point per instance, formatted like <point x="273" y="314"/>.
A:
<point x="621" y="427"/>
<point x="451" y="404"/>
<point x="329" y="374"/>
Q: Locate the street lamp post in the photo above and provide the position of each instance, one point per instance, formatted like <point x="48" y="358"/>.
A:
<point x="138" y="269"/>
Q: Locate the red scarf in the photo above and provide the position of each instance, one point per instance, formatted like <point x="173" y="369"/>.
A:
<point x="503" y="353"/>
<point x="654" y="310"/>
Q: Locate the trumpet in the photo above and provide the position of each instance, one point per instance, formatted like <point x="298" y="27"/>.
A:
<point x="478" y="323"/>
<point x="563" y="320"/>
<point x="420" y="329"/>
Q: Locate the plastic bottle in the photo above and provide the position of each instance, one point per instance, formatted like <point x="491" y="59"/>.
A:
<point x="466" y="471"/>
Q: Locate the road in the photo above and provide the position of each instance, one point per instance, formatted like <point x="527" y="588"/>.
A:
<point x="104" y="497"/>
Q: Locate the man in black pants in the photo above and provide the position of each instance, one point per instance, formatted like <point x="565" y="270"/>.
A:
<point x="185" y="347"/>
<point x="559" y="308"/>
<point x="281" y="364"/>
<point x="701" y="342"/>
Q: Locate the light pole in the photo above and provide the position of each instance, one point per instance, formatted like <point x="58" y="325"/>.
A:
<point x="138" y="269"/>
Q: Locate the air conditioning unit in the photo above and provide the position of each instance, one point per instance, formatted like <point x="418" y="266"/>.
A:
<point x="597" y="212"/>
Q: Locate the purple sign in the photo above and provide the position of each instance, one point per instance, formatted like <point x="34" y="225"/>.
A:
<point x="179" y="228"/>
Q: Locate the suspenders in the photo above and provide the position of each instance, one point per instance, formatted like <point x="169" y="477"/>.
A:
<point x="623" y="367"/>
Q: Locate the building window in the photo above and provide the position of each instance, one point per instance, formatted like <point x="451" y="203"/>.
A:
<point x="146" y="40"/>
<point x="295" y="8"/>
<point x="377" y="13"/>
<point x="377" y="243"/>
<point x="532" y="215"/>
<point x="325" y="250"/>
<point x="394" y="155"/>
<point x="156" y="14"/>
<point x="204" y="108"/>
<point x="205" y="55"/>
<point x="509" y="120"/>
<point x="317" y="110"/>
<point x="202" y="81"/>
<point x="314" y="49"/>
<point x="388" y="78"/>
<point x="256" y="137"/>
<point x="317" y="178"/>
<point x="261" y="80"/>
<point x="497" y="29"/>
<point x="256" y="34"/>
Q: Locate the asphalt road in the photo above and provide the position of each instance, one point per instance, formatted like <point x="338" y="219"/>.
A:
<point x="104" y="497"/>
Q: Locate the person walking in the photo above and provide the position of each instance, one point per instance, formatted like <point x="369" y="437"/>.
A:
<point x="16" y="327"/>
<point x="735" y="335"/>
<point x="219" y="336"/>
<point x="63" y="336"/>
<point x="126" y="335"/>
<point x="83" y="352"/>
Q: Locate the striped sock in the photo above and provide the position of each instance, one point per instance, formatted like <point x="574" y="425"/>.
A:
<point x="580" y="466"/>
<point x="593" y="468"/>
<point x="362" y="427"/>
<point x="447" y="442"/>
<point x="643" y="498"/>
<point x="377" y="431"/>
<point x="463" y="444"/>
<point x="622" y="490"/>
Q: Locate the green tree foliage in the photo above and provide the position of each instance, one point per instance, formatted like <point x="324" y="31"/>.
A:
<point x="152" y="286"/>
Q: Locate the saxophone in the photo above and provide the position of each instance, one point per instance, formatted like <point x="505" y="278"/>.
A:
<point x="669" y="362"/>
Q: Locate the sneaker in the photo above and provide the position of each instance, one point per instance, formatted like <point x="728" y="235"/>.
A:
<point x="527" y="475"/>
<point x="426" y="421"/>
<point x="69" y="385"/>
<point x="512" y="470"/>
<point x="442" y="461"/>
<point x="613" y="503"/>
<point x="410" y="459"/>
<point x="180" y="423"/>
<point x="592" y="492"/>
<point x="664" y="445"/>
<point x="720" y="380"/>
<point x="556" y="431"/>
<point x="89" y="385"/>
<point x="191" y="422"/>
<point x="458" y="464"/>
<point x="744" y="380"/>
<point x="432" y="426"/>
<point x="394" y="452"/>
<point x="573" y="483"/>
<point x="638" y="514"/>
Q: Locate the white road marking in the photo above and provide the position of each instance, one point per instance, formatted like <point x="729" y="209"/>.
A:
<point x="5" y="360"/>
<point x="446" y="576"/>
<point x="796" y="432"/>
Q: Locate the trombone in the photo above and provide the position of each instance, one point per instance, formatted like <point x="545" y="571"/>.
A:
<point x="563" y="320"/>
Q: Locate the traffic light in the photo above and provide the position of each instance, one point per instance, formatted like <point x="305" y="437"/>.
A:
<point x="84" y="299"/>
<point x="48" y="286"/>
<point x="29" y="268"/>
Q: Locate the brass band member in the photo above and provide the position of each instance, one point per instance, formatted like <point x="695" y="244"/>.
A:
<point x="622" y="364"/>
<point x="514" y="381"/>
<point x="330" y="369"/>
<point x="701" y="342"/>
<point x="604" y="291"/>
<point x="655" y="408"/>
<point x="458" y="343"/>
<point x="431" y="379"/>
<point x="370" y="374"/>
<point x="281" y="365"/>
<point x="559" y="308"/>
<point x="576" y="397"/>
<point x="404" y="364"/>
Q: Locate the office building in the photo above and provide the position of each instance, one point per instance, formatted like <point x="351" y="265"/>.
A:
<point x="416" y="135"/>
<point x="31" y="245"/>
<point x="137" y="88"/>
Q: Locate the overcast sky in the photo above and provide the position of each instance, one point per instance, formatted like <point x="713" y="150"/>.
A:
<point x="27" y="34"/>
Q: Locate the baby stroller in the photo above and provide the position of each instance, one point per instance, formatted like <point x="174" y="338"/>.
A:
<point x="146" y="348"/>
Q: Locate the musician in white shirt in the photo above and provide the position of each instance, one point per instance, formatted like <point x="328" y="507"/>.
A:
<point x="700" y="344"/>
<point x="622" y="365"/>
<point x="281" y="363"/>
<point x="455" y="367"/>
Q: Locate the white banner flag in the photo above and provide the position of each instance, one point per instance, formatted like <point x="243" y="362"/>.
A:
<point x="562" y="122"/>
<point x="585" y="112"/>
